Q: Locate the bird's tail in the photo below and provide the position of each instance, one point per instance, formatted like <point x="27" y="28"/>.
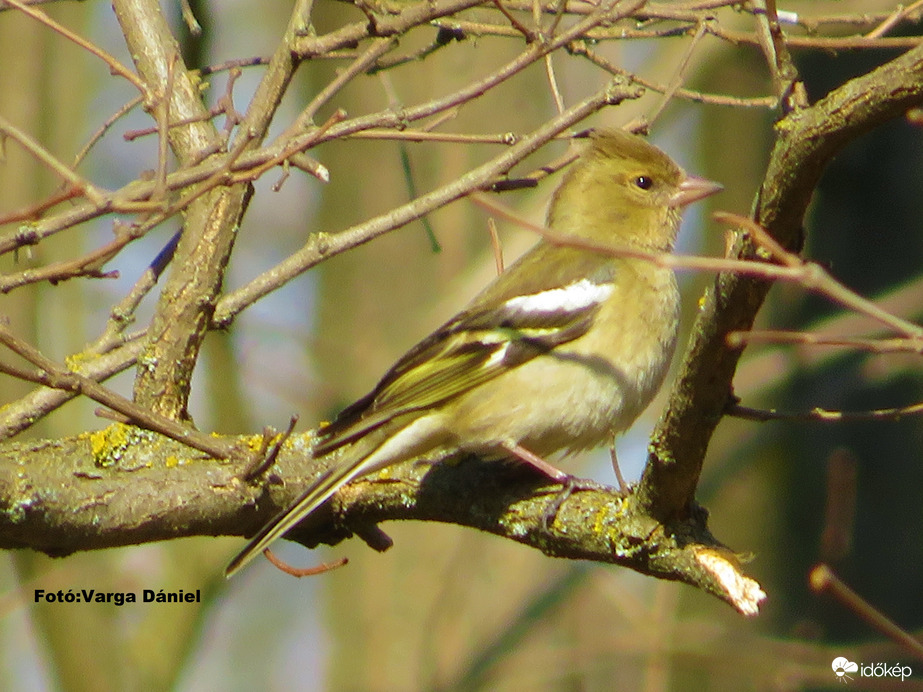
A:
<point x="398" y="440"/>
<point x="313" y="497"/>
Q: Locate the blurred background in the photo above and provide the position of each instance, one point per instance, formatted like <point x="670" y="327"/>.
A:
<point x="447" y="608"/>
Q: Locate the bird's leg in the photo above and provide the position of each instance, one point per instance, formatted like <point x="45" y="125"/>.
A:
<point x="568" y="482"/>
<point x="536" y="462"/>
<point x="623" y="486"/>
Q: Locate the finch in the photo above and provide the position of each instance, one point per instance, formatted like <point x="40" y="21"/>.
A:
<point x="560" y="352"/>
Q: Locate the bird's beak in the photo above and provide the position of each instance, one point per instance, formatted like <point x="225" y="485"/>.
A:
<point x="692" y="189"/>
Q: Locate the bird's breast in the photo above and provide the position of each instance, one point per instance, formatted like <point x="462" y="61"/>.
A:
<point x="578" y="395"/>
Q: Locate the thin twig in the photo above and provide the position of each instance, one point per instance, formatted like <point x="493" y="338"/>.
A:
<point x="162" y="119"/>
<point x="772" y="336"/>
<point x="679" y="75"/>
<point x="689" y="94"/>
<point x="495" y="245"/>
<point x="114" y="65"/>
<point x="127" y="199"/>
<point x="788" y="87"/>
<point x="808" y="274"/>
<point x="303" y="571"/>
<point x="553" y="84"/>
<point x="528" y="33"/>
<point x="255" y="61"/>
<point x="814" y="277"/>
<point x="223" y="106"/>
<point x="122" y="313"/>
<point x="25" y="235"/>
<point x="895" y="18"/>
<point x="611" y="11"/>
<point x="295" y="148"/>
<point x="323" y="245"/>
<point x="267" y="455"/>
<point x="93" y="194"/>
<point x="18" y="415"/>
<point x="89" y="264"/>
<point x="361" y="64"/>
<point x="135" y="196"/>
<point x="50" y="374"/>
<point x="760" y="236"/>
<point x="425" y="135"/>
<point x="824" y="580"/>
<point x="109" y="122"/>
<point x="824" y="43"/>
<point x="821" y="414"/>
<point x="189" y="17"/>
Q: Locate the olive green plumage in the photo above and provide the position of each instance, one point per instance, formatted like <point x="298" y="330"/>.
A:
<point x="560" y="352"/>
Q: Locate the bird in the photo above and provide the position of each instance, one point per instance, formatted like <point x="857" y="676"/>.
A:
<point x="559" y="353"/>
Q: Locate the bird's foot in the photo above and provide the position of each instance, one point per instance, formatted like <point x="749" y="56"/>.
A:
<point x="569" y="485"/>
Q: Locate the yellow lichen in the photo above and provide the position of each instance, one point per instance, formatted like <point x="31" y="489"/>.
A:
<point x="109" y="444"/>
<point x="254" y="442"/>
<point x="75" y="360"/>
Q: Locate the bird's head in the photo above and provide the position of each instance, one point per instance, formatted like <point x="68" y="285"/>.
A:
<point x="624" y="190"/>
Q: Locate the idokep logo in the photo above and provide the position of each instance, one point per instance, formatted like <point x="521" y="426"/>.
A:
<point x="842" y="667"/>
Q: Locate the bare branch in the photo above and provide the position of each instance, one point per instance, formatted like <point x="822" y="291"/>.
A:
<point x="323" y="245"/>
<point x="77" y="183"/>
<point x="824" y="580"/>
<point x="56" y="377"/>
<point x="114" y="65"/>
<point x="77" y="502"/>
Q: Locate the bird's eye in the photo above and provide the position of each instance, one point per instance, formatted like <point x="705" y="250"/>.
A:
<point x="644" y="182"/>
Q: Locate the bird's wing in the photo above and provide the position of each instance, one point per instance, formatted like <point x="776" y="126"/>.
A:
<point x="470" y="349"/>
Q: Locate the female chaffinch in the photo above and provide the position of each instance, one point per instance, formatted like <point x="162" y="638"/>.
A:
<point x="561" y="351"/>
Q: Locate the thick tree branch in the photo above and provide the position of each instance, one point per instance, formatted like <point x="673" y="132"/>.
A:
<point x="124" y="486"/>
<point x="187" y="301"/>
